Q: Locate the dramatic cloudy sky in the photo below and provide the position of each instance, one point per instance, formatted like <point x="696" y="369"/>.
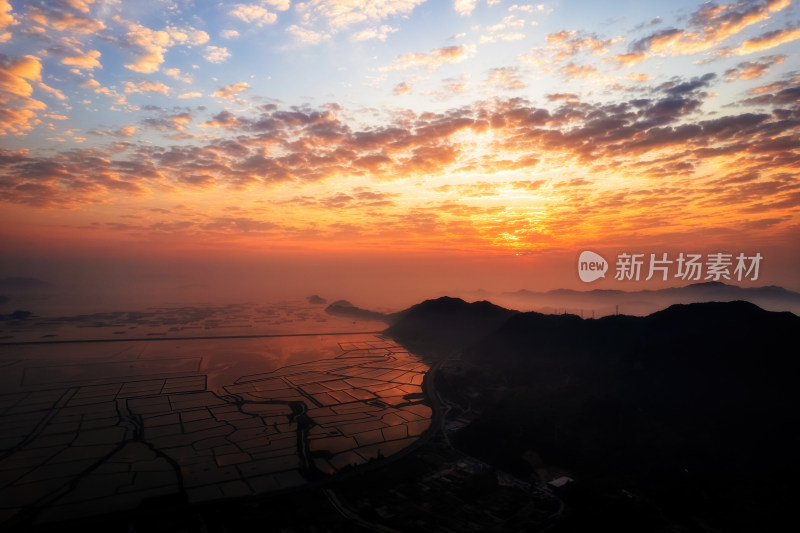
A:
<point x="418" y="144"/>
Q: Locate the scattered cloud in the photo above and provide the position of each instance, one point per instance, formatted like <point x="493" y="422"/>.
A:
<point x="768" y="40"/>
<point x="374" y="33"/>
<point x="507" y="30"/>
<point x="567" y="44"/>
<point x="123" y="132"/>
<point x="51" y="90"/>
<point x="572" y="71"/>
<point x="169" y="122"/>
<point x="749" y="70"/>
<point x="710" y="26"/>
<point x="629" y="59"/>
<point x="146" y="87"/>
<point x="188" y="36"/>
<point x="64" y="21"/>
<point x="433" y="60"/>
<point x="151" y="45"/>
<point x="18" y="109"/>
<point x="340" y="14"/>
<point x="216" y="54"/>
<point x="563" y="97"/>
<point x="641" y="77"/>
<point x="89" y="60"/>
<point x="80" y="5"/>
<point x="280" y="5"/>
<point x="455" y="87"/>
<point x="464" y="7"/>
<point x="253" y="14"/>
<point x="178" y="75"/>
<point x="505" y="78"/>
<point x="659" y="137"/>
<point x="306" y="36"/>
<point x="6" y="17"/>
<point x="232" y="91"/>
<point x="402" y="88"/>
<point x="95" y="86"/>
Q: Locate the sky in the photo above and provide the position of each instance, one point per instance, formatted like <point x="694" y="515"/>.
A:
<point x="389" y="150"/>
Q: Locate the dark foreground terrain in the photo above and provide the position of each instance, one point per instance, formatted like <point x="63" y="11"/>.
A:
<point x="681" y="421"/>
<point x="684" y="420"/>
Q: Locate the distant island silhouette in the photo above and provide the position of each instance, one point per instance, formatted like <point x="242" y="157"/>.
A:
<point x="346" y="309"/>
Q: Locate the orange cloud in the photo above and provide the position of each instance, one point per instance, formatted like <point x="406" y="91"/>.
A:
<point x="708" y="27"/>
<point x="187" y="36"/>
<point x="6" y="18"/>
<point x="80" y="5"/>
<point x="55" y="92"/>
<point x="223" y="119"/>
<point x="126" y="131"/>
<point x="95" y="86"/>
<point x="17" y="108"/>
<point x="88" y="60"/>
<point x="571" y="70"/>
<point x="565" y="97"/>
<point x="16" y="75"/>
<point x="768" y="40"/>
<point x="753" y="69"/>
<point x="123" y="132"/>
<point x="151" y="44"/>
<point x="169" y="123"/>
<point x="567" y="44"/>
<point x="63" y="180"/>
<point x="497" y="173"/>
<point x="65" y="21"/>
<point x="629" y="59"/>
<point x="768" y="88"/>
<point x="638" y="77"/>
<point x="230" y="92"/>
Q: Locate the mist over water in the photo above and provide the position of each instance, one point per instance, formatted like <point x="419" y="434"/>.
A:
<point x="66" y="284"/>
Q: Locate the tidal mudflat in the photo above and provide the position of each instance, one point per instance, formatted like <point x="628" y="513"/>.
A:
<point x="101" y="427"/>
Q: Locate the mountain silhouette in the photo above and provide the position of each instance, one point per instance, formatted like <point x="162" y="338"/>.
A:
<point x="682" y="420"/>
<point x="444" y="325"/>
<point x="643" y="302"/>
